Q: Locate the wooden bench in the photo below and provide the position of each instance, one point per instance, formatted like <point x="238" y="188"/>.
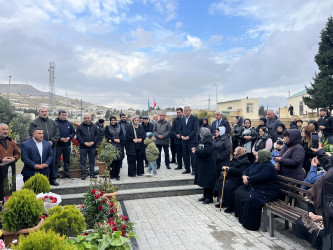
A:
<point x="286" y="209"/>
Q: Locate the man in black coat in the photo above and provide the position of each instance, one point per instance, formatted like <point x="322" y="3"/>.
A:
<point x="87" y="135"/>
<point x="325" y="123"/>
<point x="51" y="134"/>
<point x="175" y="132"/>
<point x="189" y="127"/>
<point x="67" y="133"/>
<point x="219" y="122"/>
<point x="101" y="131"/>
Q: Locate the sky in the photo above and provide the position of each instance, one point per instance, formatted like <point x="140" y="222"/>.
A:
<point x="120" y="53"/>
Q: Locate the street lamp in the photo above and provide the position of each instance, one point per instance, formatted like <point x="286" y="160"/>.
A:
<point x="10" y="99"/>
<point x="215" y="84"/>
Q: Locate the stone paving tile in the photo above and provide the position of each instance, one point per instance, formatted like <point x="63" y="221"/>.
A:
<point x="184" y="223"/>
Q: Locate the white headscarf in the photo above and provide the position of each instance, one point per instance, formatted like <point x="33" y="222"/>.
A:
<point x="222" y="130"/>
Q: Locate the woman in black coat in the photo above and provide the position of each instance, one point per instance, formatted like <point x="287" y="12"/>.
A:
<point x="233" y="179"/>
<point x="306" y="143"/>
<point x="247" y="137"/>
<point x="278" y="133"/>
<point x="205" y="174"/>
<point x="261" y="185"/>
<point x="114" y="135"/>
<point x="222" y="150"/>
<point x="291" y="157"/>
<point x="238" y="128"/>
<point x="135" y="149"/>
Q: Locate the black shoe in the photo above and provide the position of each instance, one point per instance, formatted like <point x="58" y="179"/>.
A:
<point x="139" y="174"/>
<point x="168" y="167"/>
<point x="69" y="177"/>
<point x="177" y="168"/>
<point x="202" y="198"/>
<point x="173" y="161"/>
<point x="229" y="211"/>
<point x="117" y="178"/>
<point x="186" y="172"/>
<point x="93" y="176"/>
<point x="83" y="178"/>
<point x="54" y="183"/>
<point x="207" y="201"/>
<point x="193" y="172"/>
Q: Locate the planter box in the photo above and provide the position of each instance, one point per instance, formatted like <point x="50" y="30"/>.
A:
<point x="10" y="236"/>
<point x="75" y="173"/>
<point x="102" y="167"/>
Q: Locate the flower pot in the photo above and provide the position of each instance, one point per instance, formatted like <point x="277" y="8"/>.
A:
<point x="110" y="194"/>
<point x="102" y="167"/>
<point x="75" y="173"/>
<point x="10" y="236"/>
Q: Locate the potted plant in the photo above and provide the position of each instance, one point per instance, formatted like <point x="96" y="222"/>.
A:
<point x="43" y="240"/>
<point x="107" y="153"/>
<point x="67" y="221"/>
<point x="38" y="183"/>
<point x="21" y="214"/>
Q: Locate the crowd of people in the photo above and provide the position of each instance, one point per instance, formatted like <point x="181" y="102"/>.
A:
<point x="244" y="160"/>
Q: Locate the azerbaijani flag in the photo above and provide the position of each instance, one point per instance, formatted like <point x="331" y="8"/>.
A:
<point x="154" y="103"/>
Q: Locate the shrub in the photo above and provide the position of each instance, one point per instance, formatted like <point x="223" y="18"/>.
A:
<point x="22" y="210"/>
<point x="43" y="240"/>
<point x="38" y="183"/>
<point x="67" y="221"/>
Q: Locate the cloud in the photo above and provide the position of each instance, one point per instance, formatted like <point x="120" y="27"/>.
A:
<point x="167" y="8"/>
<point x="193" y="41"/>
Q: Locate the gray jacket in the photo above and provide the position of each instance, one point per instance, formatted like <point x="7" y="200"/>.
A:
<point x="162" y="128"/>
<point x="50" y="129"/>
<point x="272" y="125"/>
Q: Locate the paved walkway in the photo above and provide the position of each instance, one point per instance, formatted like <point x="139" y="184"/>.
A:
<point x="184" y="223"/>
<point x="181" y="222"/>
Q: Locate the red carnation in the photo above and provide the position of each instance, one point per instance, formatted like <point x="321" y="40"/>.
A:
<point x="82" y="206"/>
<point x="102" y="192"/>
<point x="123" y="227"/>
<point x="115" y="229"/>
<point x="100" y="208"/>
<point x="124" y="217"/>
<point x="83" y="234"/>
<point x="103" y="201"/>
<point x="97" y="196"/>
<point x="123" y="233"/>
<point x="111" y="211"/>
<point x="93" y="191"/>
<point x="111" y="204"/>
<point x="111" y="219"/>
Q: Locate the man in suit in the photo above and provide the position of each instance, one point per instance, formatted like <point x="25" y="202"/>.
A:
<point x="189" y="127"/>
<point x="51" y="134"/>
<point x="37" y="155"/>
<point x="176" y="135"/>
<point x="219" y="122"/>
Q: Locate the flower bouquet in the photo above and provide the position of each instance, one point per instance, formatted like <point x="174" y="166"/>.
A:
<point x="50" y="200"/>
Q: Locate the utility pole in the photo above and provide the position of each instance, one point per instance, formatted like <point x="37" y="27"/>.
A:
<point x="209" y="103"/>
<point x="52" y="97"/>
<point x="9" y="95"/>
<point x="81" y="111"/>
<point x="215" y="84"/>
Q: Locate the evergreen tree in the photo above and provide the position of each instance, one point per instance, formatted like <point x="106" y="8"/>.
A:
<point x="107" y="114"/>
<point x="321" y="90"/>
<point x="7" y="111"/>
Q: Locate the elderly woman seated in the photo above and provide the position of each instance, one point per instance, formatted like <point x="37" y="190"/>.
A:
<point x="261" y="185"/>
<point x="233" y="179"/>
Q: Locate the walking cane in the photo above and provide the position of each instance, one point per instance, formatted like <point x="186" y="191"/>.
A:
<point x="224" y="175"/>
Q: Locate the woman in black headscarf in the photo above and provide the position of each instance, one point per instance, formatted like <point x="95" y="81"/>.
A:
<point x="247" y="138"/>
<point x="114" y="135"/>
<point x="238" y="128"/>
<point x="135" y="149"/>
<point x="233" y="179"/>
<point x="263" y="142"/>
<point x="205" y="174"/>
<point x="261" y="185"/>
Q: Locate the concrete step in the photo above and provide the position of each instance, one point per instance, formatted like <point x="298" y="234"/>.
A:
<point x="140" y="193"/>
<point x="139" y="184"/>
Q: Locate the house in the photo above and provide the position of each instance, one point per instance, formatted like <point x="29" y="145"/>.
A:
<point x="248" y="108"/>
<point x="296" y="100"/>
